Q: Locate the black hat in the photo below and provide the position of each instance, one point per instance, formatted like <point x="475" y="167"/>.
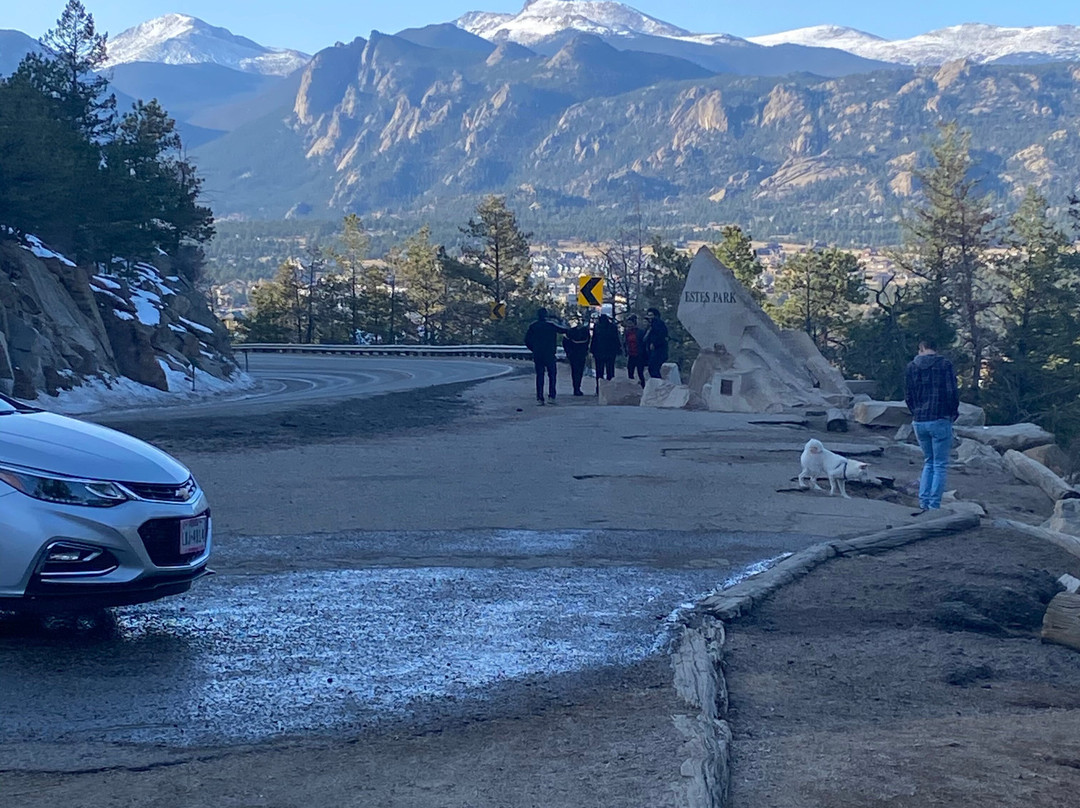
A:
<point x="541" y="313"/>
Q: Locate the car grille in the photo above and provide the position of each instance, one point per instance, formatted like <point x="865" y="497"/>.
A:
<point x="161" y="538"/>
<point x="163" y="493"/>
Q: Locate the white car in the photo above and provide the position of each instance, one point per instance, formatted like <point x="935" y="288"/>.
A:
<point x="92" y="518"/>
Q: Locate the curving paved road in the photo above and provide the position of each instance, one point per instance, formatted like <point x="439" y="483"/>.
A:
<point x="286" y="380"/>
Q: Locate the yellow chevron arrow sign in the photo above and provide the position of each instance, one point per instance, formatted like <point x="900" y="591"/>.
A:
<point x="590" y="291"/>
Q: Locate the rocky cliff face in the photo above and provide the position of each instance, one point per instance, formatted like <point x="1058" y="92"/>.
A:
<point x="62" y="325"/>
<point x="384" y="127"/>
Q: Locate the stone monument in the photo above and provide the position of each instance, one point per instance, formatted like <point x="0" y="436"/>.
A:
<point x="747" y="363"/>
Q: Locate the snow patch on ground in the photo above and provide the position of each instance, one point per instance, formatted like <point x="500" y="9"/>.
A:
<point x="96" y="395"/>
<point x="320" y="651"/>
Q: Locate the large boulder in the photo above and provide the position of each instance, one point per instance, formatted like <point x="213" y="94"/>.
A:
<point x="1003" y="438"/>
<point x="827" y="378"/>
<point x="669" y="372"/>
<point x="970" y="415"/>
<point x="1066" y="517"/>
<point x="975" y="455"/>
<point x="746" y="363"/>
<point x="1051" y="456"/>
<point x="665" y="395"/>
<point x="135" y="355"/>
<point x="620" y="391"/>
<point x="896" y="413"/>
<point x="752" y="390"/>
<point x="906" y="451"/>
<point x="890" y="414"/>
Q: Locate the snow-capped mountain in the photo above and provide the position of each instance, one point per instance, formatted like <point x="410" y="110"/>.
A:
<point x="178" y="39"/>
<point x="14" y="45"/>
<point x="823" y="36"/>
<point x="540" y="19"/>
<point x="973" y="41"/>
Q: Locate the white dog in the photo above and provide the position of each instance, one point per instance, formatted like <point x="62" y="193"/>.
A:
<point x="817" y="461"/>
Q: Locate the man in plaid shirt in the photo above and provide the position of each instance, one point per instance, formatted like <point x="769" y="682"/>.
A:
<point x="931" y="395"/>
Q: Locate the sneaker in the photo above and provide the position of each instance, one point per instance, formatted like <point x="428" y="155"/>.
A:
<point x="551" y="401"/>
<point x="539" y="402"/>
<point x="919" y="512"/>
<point x="578" y="393"/>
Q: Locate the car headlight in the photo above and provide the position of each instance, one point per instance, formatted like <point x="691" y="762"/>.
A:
<point x="63" y="490"/>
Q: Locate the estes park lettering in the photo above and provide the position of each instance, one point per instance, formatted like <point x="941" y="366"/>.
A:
<point x="709" y="297"/>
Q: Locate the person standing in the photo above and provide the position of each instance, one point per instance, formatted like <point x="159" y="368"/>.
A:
<point x="656" y="342"/>
<point x="605" y="346"/>
<point x="931" y="395"/>
<point x="576" y="345"/>
<point x="540" y="338"/>
<point x="634" y="345"/>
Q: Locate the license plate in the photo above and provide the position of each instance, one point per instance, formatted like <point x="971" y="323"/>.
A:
<point x="193" y="535"/>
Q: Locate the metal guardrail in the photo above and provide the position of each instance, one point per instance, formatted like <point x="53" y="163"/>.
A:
<point x="485" y="351"/>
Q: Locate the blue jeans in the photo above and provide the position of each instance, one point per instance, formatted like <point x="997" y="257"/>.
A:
<point x="935" y="438"/>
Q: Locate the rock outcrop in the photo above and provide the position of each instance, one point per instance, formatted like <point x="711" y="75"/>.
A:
<point x="1013" y="436"/>
<point x="62" y="325"/>
<point x="747" y="363"/>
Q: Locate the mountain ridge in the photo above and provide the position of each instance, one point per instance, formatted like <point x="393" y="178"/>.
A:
<point x="183" y="39"/>
<point x="977" y="42"/>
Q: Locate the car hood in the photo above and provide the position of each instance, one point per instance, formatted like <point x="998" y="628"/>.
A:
<point x="48" y="442"/>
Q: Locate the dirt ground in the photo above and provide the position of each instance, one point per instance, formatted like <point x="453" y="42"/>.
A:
<point x="855" y="686"/>
<point x="846" y="688"/>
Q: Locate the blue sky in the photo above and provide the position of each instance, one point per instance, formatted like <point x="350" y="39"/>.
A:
<point x="310" y="25"/>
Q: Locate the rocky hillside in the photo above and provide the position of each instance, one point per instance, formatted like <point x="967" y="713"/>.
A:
<point x="385" y="126"/>
<point x="62" y="326"/>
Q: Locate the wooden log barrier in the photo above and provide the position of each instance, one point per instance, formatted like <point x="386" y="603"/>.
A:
<point x="1035" y="473"/>
<point x="1061" y="623"/>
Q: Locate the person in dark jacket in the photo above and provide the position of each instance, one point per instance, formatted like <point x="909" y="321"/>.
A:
<point x="605" y="346"/>
<point x="656" y="340"/>
<point x="931" y="395"/>
<point x="634" y="346"/>
<point x="541" y="338"/>
<point x="576" y="345"/>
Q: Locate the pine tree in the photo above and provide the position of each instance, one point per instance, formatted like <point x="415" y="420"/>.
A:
<point x="737" y="254"/>
<point x="499" y="250"/>
<point x="38" y="152"/>
<point x="947" y="247"/>
<point x="419" y="270"/>
<point x="349" y="255"/>
<point x="498" y="247"/>
<point x="276" y="311"/>
<point x="75" y="51"/>
<point x="817" y="291"/>
<point x="1035" y="375"/>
